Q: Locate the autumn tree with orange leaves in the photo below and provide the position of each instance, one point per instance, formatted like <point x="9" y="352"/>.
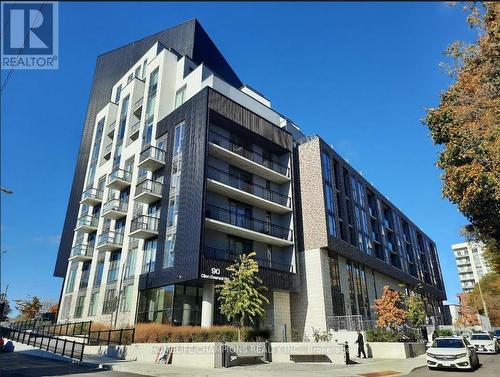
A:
<point x="389" y="308"/>
<point x="468" y="315"/>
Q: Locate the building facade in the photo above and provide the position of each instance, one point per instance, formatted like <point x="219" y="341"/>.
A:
<point x="182" y="168"/>
<point x="471" y="264"/>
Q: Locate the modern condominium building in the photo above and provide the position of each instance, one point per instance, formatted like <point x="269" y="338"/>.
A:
<point x="182" y="168"/>
<point x="471" y="264"/>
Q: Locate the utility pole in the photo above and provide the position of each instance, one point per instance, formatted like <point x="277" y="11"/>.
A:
<point x="482" y="299"/>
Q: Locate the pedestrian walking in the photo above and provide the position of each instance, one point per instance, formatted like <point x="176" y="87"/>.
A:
<point x="361" y="345"/>
<point x="434" y="334"/>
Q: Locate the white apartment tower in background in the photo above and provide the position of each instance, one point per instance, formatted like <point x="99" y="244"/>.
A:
<point x="470" y="263"/>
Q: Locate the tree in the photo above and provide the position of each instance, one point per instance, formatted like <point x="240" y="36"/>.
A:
<point x="468" y="315"/>
<point x="466" y="124"/>
<point x="5" y="309"/>
<point x="53" y="309"/>
<point x="29" y="309"/>
<point x="416" y="310"/>
<point x="389" y="309"/>
<point x="490" y="286"/>
<point x="241" y="295"/>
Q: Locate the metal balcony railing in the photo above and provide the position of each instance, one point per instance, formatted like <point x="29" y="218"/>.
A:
<point x="149" y="186"/>
<point x="88" y="220"/>
<point x="239" y="220"/>
<point x="230" y="255"/>
<point x="138" y="103"/>
<point x="135" y="127"/>
<point x="110" y="238"/>
<point x="152" y="152"/>
<point x="115" y="205"/>
<point x="92" y="193"/>
<point x="252" y="188"/>
<point x="107" y="148"/>
<point x="144" y="222"/>
<point x="256" y="157"/>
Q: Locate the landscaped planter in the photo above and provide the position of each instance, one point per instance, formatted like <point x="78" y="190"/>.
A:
<point x="286" y="352"/>
<point x="394" y="350"/>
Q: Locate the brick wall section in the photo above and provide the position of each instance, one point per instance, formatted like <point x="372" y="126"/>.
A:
<point x="311" y="195"/>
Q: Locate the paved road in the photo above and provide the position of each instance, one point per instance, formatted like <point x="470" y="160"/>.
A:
<point x="490" y="367"/>
<point x="17" y="364"/>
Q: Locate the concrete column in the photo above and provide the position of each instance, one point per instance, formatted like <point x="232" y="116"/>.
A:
<point x="282" y="317"/>
<point x="207" y="306"/>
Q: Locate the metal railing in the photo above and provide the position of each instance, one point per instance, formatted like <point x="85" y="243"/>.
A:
<point x="112" y="127"/>
<point x="109" y="337"/>
<point x="92" y="193"/>
<point x="115" y="205"/>
<point x="65" y="347"/>
<point x="242" y="221"/>
<point x="152" y="152"/>
<point x="230" y="255"/>
<point x="121" y="174"/>
<point x="138" y="104"/>
<point x="107" y="148"/>
<point x="110" y="238"/>
<point x="349" y="323"/>
<point x="135" y="127"/>
<point x="256" y="157"/>
<point x="150" y="186"/>
<point x="144" y="222"/>
<point x="87" y="220"/>
<point x="82" y="250"/>
<point x="251" y="188"/>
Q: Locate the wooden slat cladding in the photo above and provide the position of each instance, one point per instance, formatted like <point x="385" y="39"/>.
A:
<point x="248" y="119"/>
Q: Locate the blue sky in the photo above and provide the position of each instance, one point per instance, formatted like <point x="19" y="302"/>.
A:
<point x="360" y="75"/>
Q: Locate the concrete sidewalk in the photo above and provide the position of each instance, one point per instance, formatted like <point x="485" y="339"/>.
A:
<point x="384" y="367"/>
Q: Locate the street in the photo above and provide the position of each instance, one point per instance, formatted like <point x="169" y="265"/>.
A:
<point x="17" y="364"/>
<point x="490" y="366"/>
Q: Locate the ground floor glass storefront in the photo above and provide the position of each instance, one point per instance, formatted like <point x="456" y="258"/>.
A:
<point x="172" y="304"/>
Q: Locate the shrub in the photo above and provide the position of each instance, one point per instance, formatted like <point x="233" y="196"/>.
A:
<point x="319" y="336"/>
<point x="257" y="335"/>
<point x="444" y="332"/>
<point x="383" y="335"/>
<point x="160" y="333"/>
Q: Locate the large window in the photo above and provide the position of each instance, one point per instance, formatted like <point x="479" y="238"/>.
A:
<point x="98" y="272"/>
<point x="150" y="108"/>
<point x="337" y="295"/>
<point x="148" y="264"/>
<point x="84" y="278"/>
<point x="126" y="299"/>
<point x="71" y="278"/>
<point x="180" y="96"/>
<point x="114" y="264"/>
<point x="109" y="305"/>
<point x="358" y="289"/>
<point x="130" y="263"/>
<point x="330" y="199"/>
<point x="79" y="306"/>
<point x="94" y="298"/>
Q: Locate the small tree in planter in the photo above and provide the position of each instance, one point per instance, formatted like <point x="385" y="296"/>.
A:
<point x="416" y="310"/>
<point x="241" y="295"/>
<point x="389" y="309"/>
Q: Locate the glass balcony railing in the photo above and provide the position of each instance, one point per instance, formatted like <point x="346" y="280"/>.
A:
<point x="82" y="250"/>
<point x="146" y="223"/>
<point x="87" y="221"/>
<point x="149" y="186"/>
<point x="121" y="174"/>
<point x="117" y="205"/>
<point x="229" y="255"/>
<point x="110" y="238"/>
<point x="256" y="157"/>
<point x="242" y="221"/>
<point x="252" y="188"/>
<point x="152" y="152"/>
<point x="93" y="194"/>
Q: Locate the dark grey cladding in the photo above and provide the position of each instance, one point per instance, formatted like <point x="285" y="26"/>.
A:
<point x="187" y="39"/>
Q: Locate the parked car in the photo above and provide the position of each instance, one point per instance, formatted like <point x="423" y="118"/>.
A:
<point x="496" y="335"/>
<point x="484" y="343"/>
<point x="452" y="352"/>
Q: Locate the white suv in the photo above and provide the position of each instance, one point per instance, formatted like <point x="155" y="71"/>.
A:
<point x="484" y="343"/>
<point x="452" y="352"/>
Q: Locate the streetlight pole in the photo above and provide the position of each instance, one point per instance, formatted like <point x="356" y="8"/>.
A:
<point x="8" y="192"/>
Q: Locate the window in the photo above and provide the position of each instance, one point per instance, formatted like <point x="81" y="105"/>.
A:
<point x="118" y="93"/>
<point x="130" y="263"/>
<point x="123" y="118"/>
<point x="178" y="139"/>
<point x="98" y="273"/>
<point x="71" y="279"/>
<point x="179" y="97"/>
<point x="144" y="66"/>
<point x="150" y="108"/>
<point x="330" y="199"/>
<point x="93" y="304"/>
<point x="169" y="251"/>
<point x="237" y="245"/>
<point x="84" y="278"/>
<point x="79" y="307"/>
<point x="148" y="264"/>
<point x="137" y="71"/>
<point x="109" y="305"/>
<point x="126" y="299"/>
<point x="114" y="261"/>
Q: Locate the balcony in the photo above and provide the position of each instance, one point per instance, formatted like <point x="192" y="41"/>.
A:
<point x="463" y="261"/>
<point x="376" y="238"/>
<point x="152" y="158"/>
<point x="87" y="224"/>
<point x="144" y="227"/>
<point x="134" y="130"/>
<point x="237" y="155"/>
<point x="110" y="241"/>
<point x="115" y="209"/>
<point x="231" y="256"/>
<point x="107" y="150"/>
<point x="111" y="129"/>
<point x="91" y="197"/>
<point x="229" y="222"/>
<point x="148" y="191"/>
<point x="236" y="188"/>
<point x="119" y="179"/>
<point x="137" y="109"/>
<point x="81" y="252"/>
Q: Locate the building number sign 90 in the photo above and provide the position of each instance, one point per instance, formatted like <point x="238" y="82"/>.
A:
<point x="215" y="271"/>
